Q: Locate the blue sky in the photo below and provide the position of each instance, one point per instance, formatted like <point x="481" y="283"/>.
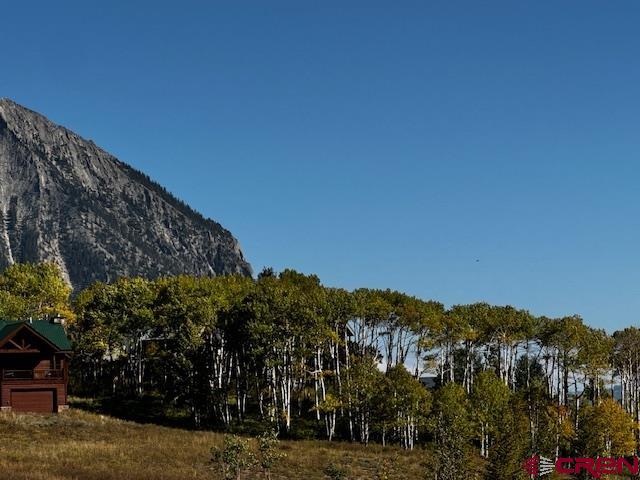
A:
<point x="378" y="144"/>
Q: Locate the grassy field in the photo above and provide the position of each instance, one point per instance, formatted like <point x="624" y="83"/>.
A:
<point x="89" y="446"/>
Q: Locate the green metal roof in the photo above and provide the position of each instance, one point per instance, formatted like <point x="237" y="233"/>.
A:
<point x="54" y="332"/>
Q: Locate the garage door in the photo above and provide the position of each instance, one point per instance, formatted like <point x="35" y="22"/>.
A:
<point x="40" y="401"/>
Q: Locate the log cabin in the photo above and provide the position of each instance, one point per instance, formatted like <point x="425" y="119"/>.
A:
<point x="34" y="364"/>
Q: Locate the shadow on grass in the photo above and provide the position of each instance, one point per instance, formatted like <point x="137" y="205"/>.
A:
<point x="148" y="409"/>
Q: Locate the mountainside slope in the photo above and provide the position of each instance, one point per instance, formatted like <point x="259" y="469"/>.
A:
<point x="63" y="199"/>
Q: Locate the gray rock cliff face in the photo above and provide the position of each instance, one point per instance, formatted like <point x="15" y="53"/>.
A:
<point x="65" y="200"/>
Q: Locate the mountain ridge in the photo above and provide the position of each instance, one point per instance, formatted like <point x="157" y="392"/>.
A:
<point x="64" y="199"/>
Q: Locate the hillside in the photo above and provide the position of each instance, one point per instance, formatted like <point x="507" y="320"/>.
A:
<point x="80" y="445"/>
<point x="63" y="199"/>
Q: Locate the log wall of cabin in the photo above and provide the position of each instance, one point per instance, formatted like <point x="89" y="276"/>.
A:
<point x="7" y="386"/>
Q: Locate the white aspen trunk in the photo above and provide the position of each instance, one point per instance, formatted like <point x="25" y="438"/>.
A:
<point x="316" y="388"/>
<point x="349" y="400"/>
<point x="323" y="390"/>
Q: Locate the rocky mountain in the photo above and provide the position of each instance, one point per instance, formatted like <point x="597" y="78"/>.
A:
<point x="64" y="199"/>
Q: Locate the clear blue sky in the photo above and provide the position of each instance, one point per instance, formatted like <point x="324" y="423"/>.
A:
<point x="375" y="143"/>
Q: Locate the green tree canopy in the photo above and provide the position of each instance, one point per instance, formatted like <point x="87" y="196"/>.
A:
<point x="34" y="291"/>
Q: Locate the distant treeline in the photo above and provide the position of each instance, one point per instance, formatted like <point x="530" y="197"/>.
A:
<point x="491" y="383"/>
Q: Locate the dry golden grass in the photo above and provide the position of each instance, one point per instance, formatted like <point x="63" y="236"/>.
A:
<point x="86" y="446"/>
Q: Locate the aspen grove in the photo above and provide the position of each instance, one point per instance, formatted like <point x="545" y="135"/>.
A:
<point x="367" y="365"/>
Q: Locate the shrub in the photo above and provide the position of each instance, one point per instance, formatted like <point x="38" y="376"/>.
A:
<point x="387" y="468"/>
<point x="234" y="457"/>
<point x="335" y="472"/>
<point x="268" y="454"/>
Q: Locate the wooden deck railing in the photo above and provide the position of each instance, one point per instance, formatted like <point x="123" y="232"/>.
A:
<point x="36" y="374"/>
